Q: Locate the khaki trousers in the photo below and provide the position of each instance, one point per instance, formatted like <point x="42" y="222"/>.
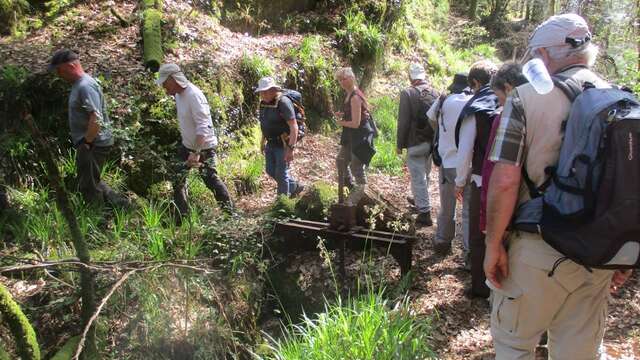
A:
<point x="571" y="305"/>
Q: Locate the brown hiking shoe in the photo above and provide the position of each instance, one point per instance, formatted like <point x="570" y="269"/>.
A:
<point x="424" y="219"/>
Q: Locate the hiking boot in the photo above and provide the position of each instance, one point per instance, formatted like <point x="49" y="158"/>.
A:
<point x="299" y="189"/>
<point x="424" y="219"/>
<point x="442" y="248"/>
<point x="467" y="261"/>
<point x="411" y="201"/>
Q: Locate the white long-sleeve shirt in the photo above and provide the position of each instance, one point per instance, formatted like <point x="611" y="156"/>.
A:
<point x="446" y="125"/>
<point x="194" y="118"/>
<point x="465" y="153"/>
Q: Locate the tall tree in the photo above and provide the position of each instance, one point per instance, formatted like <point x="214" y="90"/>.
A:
<point x="473" y="7"/>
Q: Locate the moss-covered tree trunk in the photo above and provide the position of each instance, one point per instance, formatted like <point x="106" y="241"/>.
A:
<point x="87" y="281"/>
<point x="26" y="343"/>
<point x="152" y="34"/>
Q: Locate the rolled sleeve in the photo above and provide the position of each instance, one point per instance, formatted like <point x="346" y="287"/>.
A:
<point x="509" y="143"/>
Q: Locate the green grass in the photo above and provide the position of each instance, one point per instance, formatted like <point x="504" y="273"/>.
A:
<point x="243" y="163"/>
<point x="385" y="112"/>
<point x="364" y="328"/>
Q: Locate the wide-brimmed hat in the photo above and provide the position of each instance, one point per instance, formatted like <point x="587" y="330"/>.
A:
<point x="174" y="71"/>
<point x="416" y="72"/>
<point x="267" y="83"/>
<point x="459" y="83"/>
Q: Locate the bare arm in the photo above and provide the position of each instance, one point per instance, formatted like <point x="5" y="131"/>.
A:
<point x="501" y="202"/>
<point x="93" y="128"/>
<point x="356" y="114"/>
<point x="293" y="132"/>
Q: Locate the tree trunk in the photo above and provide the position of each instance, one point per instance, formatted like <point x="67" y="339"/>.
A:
<point x="26" y="343"/>
<point x="152" y="39"/>
<point x="552" y="8"/>
<point x="473" y="7"/>
<point x="87" y="281"/>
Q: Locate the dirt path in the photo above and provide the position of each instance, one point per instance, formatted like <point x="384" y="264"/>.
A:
<point x="460" y="325"/>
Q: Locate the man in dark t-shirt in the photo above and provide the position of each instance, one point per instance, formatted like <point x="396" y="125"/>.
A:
<point x="90" y="127"/>
<point x="279" y="135"/>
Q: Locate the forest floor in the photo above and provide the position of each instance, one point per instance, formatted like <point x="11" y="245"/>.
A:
<point x="460" y="326"/>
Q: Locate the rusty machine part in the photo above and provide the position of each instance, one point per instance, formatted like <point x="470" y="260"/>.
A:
<point x="342" y="216"/>
<point x="305" y="234"/>
<point x="341" y="232"/>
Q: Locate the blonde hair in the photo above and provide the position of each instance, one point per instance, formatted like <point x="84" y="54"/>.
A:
<point x="345" y="72"/>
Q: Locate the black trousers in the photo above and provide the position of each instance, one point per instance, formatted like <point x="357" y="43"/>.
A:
<point x="477" y="245"/>
<point x="89" y="163"/>
<point x="208" y="174"/>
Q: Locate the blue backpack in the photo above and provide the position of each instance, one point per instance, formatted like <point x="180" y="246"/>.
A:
<point x="589" y="209"/>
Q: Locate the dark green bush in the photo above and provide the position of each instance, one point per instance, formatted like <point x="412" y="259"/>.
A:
<point x="312" y="74"/>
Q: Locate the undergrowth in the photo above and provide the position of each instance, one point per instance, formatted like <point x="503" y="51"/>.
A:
<point x="385" y="112"/>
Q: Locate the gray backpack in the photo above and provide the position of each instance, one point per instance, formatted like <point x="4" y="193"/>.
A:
<point x="589" y="209"/>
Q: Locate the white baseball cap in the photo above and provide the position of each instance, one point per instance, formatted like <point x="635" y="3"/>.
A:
<point x="416" y="72"/>
<point x="560" y="30"/>
<point x="174" y="71"/>
<point x="266" y="83"/>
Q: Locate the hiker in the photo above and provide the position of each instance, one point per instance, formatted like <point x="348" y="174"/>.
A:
<point x="472" y="136"/>
<point x="198" y="146"/>
<point x="507" y="78"/>
<point x="90" y="127"/>
<point x="279" y="135"/>
<point x="534" y="289"/>
<point x="416" y="135"/>
<point x="356" y="140"/>
<point x="444" y="115"/>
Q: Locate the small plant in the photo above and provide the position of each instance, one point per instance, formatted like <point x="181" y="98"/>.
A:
<point x="362" y="328"/>
<point x="362" y="42"/>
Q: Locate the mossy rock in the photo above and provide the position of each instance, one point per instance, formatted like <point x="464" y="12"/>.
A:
<point x="315" y="203"/>
<point x="67" y="351"/>
<point x="284" y="207"/>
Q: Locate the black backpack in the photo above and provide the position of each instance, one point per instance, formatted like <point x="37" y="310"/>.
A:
<point x="590" y="209"/>
<point x="296" y="99"/>
<point x="427" y="96"/>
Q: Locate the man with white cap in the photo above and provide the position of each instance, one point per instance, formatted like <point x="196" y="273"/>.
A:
<point x="197" y="148"/>
<point x="416" y="135"/>
<point x="279" y="135"/>
<point x="529" y="298"/>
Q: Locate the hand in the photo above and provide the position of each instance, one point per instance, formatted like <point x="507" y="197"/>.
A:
<point x="496" y="264"/>
<point x="338" y="115"/>
<point x="459" y="192"/>
<point x="288" y="155"/>
<point x="263" y="145"/>
<point x="193" y="160"/>
<point x="618" y="279"/>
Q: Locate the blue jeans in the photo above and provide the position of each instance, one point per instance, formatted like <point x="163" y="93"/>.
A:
<point x="278" y="169"/>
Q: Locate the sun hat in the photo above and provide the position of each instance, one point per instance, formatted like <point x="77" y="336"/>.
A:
<point x="267" y="83"/>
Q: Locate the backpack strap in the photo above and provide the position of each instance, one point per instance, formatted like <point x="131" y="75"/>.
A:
<point x="571" y="89"/>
